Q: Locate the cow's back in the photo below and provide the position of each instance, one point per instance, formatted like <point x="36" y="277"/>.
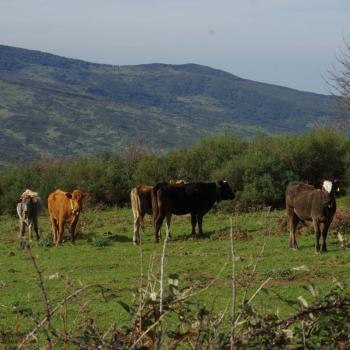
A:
<point x="306" y="201"/>
<point x="185" y="198"/>
<point x="57" y="203"/>
<point x="297" y="191"/>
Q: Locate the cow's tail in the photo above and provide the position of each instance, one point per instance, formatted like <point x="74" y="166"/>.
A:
<point x="136" y="207"/>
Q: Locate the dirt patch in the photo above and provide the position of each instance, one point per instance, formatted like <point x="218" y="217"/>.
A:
<point x="341" y="222"/>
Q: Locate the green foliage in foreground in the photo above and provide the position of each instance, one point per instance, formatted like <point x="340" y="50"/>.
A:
<point x="108" y="278"/>
<point x="258" y="170"/>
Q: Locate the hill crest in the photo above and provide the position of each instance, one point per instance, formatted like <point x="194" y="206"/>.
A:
<point x="53" y="106"/>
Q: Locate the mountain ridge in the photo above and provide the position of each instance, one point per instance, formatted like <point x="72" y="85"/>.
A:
<point x="53" y="106"/>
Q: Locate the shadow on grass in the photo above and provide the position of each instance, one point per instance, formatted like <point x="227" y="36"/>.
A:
<point x="120" y="238"/>
<point x="220" y="234"/>
<point x="90" y="236"/>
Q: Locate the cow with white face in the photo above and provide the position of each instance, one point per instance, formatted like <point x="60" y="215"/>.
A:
<point x="28" y="208"/>
<point x="306" y="203"/>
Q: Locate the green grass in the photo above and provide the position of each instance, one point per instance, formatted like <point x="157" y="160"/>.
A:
<point x="113" y="262"/>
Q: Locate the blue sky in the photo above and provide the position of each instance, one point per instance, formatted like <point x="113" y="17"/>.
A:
<point x="286" y="42"/>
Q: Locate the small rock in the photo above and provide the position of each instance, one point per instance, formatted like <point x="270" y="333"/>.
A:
<point x="54" y="276"/>
<point x="300" y="268"/>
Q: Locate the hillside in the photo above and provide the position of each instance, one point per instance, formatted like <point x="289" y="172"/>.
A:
<point x="52" y="106"/>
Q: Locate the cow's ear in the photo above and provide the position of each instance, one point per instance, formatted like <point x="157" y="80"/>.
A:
<point x="68" y="195"/>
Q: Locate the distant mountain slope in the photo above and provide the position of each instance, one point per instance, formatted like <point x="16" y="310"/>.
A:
<point x="51" y="106"/>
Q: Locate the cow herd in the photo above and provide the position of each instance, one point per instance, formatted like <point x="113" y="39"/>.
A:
<point x="304" y="202"/>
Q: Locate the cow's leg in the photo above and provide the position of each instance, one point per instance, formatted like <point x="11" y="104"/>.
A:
<point x="158" y="224"/>
<point x="137" y="225"/>
<point x="324" y="235"/>
<point x="60" y="232"/>
<point x="200" y="221"/>
<point x="168" y="223"/>
<point x="35" y="224"/>
<point x="30" y="231"/>
<point x="72" y="230"/>
<point x="54" y="230"/>
<point x="293" y="223"/>
<point x="317" y="233"/>
<point x="193" y="223"/>
<point x="21" y="230"/>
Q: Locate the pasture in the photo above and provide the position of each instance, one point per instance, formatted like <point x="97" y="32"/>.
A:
<point x="104" y="255"/>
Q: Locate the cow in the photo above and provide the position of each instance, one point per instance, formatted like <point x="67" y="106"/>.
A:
<point x="193" y="198"/>
<point x="65" y="207"/>
<point x="306" y="203"/>
<point x="141" y="204"/>
<point x="28" y="208"/>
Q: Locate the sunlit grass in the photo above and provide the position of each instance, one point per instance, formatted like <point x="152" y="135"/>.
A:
<point x="198" y="261"/>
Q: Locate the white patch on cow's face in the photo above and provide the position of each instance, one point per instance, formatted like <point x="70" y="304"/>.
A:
<point x="327" y="185"/>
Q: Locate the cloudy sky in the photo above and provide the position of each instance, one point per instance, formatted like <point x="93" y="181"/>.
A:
<point x="286" y="42"/>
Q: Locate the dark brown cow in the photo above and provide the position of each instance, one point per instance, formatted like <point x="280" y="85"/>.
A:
<point x="64" y="207"/>
<point x="141" y="204"/>
<point x="193" y="198"/>
<point x="305" y="202"/>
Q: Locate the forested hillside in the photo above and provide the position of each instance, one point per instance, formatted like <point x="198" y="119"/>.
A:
<point x="52" y="106"/>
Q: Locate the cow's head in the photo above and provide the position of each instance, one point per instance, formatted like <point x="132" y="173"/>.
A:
<point x="76" y="201"/>
<point x="331" y="187"/>
<point x="225" y="191"/>
<point x="27" y="207"/>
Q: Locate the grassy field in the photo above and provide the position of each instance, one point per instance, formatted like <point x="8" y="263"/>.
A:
<point x="200" y="262"/>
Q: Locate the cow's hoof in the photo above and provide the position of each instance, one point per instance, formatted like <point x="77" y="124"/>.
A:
<point x="317" y="252"/>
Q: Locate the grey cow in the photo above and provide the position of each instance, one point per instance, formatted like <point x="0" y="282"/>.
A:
<point x="28" y="209"/>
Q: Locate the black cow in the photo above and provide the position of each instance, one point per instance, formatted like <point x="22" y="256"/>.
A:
<point x="305" y="202"/>
<point x="179" y="199"/>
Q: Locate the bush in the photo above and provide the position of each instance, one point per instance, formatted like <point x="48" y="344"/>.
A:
<point x="258" y="170"/>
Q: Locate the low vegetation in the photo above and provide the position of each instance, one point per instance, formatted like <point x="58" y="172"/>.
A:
<point x="258" y="170"/>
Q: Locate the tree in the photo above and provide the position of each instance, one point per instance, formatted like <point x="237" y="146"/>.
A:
<point x="340" y="77"/>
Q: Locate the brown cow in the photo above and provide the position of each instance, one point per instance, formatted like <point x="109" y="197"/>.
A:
<point x="64" y="207"/>
<point x="141" y="204"/>
<point x="305" y="202"/>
